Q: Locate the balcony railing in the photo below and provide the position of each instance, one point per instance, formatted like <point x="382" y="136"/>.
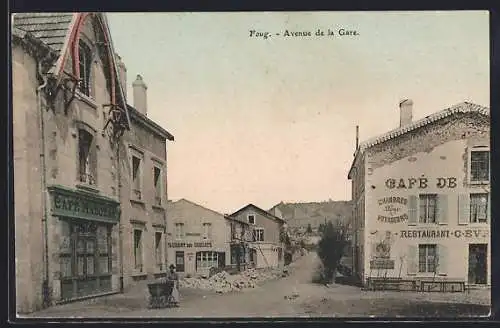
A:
<point x="87" y="178"/>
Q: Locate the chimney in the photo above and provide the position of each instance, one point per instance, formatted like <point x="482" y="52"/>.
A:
<point x="406" y="112"/>
<point x="122" y="72"/>
<point x="357" y="136"/>
<point x="140" y="95"/>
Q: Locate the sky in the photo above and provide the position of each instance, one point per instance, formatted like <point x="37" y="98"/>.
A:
<point x="267" y="120"/>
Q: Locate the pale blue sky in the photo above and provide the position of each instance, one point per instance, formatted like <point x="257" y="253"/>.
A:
<point x="262" y="121"/>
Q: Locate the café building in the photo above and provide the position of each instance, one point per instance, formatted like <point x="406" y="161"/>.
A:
<point x="421" y="195"/>
<point x="198" y="238"/>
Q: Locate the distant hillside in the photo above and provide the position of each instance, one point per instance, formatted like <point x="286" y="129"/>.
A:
<point x="314" y="213"/>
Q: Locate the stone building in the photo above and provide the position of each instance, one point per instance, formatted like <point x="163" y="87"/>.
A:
<point x="198" y="238"/>
<point x="241" y="236"/>
<point x="266" y="249"/>
<point x="72" y="129"/>
<point x="421" y="197"/>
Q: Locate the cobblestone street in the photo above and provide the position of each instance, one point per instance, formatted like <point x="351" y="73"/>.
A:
<point x="270" y="299"/>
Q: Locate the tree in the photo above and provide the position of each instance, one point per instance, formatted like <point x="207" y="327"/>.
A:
<point x="309" y="228"/>
<point x="331" y="248"/>
<point x="321" y="228"/>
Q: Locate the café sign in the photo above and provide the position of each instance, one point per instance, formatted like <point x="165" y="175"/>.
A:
<point x="83" y="205"/>
<point x="393" y="209"/>
<point x="189" y="244"/>
<point x="458" y="233"/>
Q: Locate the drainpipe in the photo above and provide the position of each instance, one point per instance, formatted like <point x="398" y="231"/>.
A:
<point x="120" y="226"/>
<point x="45" y="284"/>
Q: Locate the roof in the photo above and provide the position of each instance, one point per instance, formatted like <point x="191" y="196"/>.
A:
<point x="302" y="213"/>
<point x="195" y="204"/>
<point x="149" y="123"/>
<point x="258" y="209"/>
<point x="464" y="107"/>
<point x="50" y="28"/>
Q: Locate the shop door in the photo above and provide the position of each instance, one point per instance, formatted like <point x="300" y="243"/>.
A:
<point x="478" y="260"/>
<point x="179" y="261"/>
<point x="222" y="260"/>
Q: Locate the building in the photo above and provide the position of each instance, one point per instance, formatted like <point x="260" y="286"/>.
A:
<point x="421" y="196"/>
<point x="197" y="238"/>
<point x="241" y="236"/>
<point x="71" y="130"/>
<point x="266" y="249"/>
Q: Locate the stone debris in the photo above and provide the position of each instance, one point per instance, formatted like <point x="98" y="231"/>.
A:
<point x="223" y="282"/>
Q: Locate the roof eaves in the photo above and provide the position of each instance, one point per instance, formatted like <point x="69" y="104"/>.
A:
<point x="147" y="122"/>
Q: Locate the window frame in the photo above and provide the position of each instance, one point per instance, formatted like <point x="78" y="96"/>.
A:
<point x="207" y="234"/>
<point x="91" y="176"/>
<point x="136" y="194"/>
<point x="477" y="149"/>
<point x="427" y="197"/>
<point x="182" y="231"/>
<point x="85" y="58"/>
<point x="255" y="230"/>
<point x="158" y="194"/>
<point x="428" y="264"/>
<point x="487" y="209"/>
<point x="138" y="267"/>
<point x="254" y="218"/>
<point x="159" y="251"/>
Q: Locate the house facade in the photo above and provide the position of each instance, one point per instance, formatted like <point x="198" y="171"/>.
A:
<point x="266" y="249"/>
<point x="197" y="238"/>
<point x="421" y="197"/>
<point x="240" y="237"/>
<point x="70" y="125"/>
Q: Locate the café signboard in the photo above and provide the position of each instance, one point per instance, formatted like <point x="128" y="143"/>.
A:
<point x="83" y="205"/>
<point x="182" y="244"/>
<point x="444" y="233"/>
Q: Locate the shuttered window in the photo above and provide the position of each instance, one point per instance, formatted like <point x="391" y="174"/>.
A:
<point x="412" y="264"/>
<point x="464" y="209"/>
<point x="479" y="208"/>
<point x="427" y="258"/>
<point x="412" y="209"/>
<point x="427" y="208"/>
<point x="442" y="259"/>
<point x="442" y="209"/>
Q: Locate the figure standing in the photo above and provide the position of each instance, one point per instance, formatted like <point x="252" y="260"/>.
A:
<point x="173" y="276"/>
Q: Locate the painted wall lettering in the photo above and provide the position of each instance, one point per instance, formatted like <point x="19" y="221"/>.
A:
<point x="394" y="209"/>
<point x="189" y="244"/>
<point x="466" y="233"/>
<point x="420" y="183"/>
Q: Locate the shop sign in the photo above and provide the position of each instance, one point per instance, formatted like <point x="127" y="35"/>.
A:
<point x="393" y="209"/>
<point x="381" y="263"/>
<point x="189" y="244"/>
<point x="78" y="204"/>
<point x="458" y="233"/>
<point x="420" y="183"/>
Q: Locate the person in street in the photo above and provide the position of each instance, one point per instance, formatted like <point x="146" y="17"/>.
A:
<point x="173" y="276"/>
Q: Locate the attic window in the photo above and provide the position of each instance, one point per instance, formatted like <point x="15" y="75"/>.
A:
<point x="251" y="218"/>
<point x="85" y="57"/>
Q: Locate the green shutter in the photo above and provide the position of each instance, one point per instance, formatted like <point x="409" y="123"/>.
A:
<point x="412" y="259"/>
<point x="463" y="208"/>
<point x="442" y="209"/>
<point x="412" y="210"/>
<point x="442" y="259"/>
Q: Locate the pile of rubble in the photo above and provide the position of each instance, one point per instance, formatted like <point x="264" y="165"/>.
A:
<point x="223" y="282"/>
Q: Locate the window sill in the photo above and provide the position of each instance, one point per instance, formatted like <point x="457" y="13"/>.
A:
<point x="86" y="99"/>
<point x="137" y="201"/>
<point x="158" y="207"/>
<point x="87" y="187"/>
<point x="479" y="183"/>
<point x="139" y="274"/>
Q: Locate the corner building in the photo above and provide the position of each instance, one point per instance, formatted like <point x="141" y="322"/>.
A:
<point x="421" y="197"/>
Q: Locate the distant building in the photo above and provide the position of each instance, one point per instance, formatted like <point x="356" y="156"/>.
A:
<point x="266" y="249"/>
<point x="198" y="238"/>
<point x="421" y="197"/>
<point x="241" y="236"/>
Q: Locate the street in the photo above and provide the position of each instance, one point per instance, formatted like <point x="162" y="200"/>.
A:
<point x="270" y="300"/>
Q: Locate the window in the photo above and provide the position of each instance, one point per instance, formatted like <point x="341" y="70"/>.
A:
<point x="207" y="231"/>
<point x="251" y="218"/>
<point x="157" y="185"/>
<point x="138" y="249"/>
<point x="427" y="258"/>
<point x="206" y="260"/>
<point x="158" y="250"/>
<point x="136" y="176"/>
<point x="86" y="157"/>
<point x="179" y="230"/>
<point x="85" y="57"/>
<point x="258" y="234"/>
<point x="479" y="166"/>
<point x="427" y="208"/>
<point x="478" y="208"/>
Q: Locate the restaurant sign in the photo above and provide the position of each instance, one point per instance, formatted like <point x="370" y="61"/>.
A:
<point x="393" y="209"/>
<point x="381" y="263"/>
<point x="182" y="244"/>
<point x="439" y="233"/>
<point x="83" y="205"/>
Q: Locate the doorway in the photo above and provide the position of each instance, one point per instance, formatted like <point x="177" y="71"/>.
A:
<point x="478" y="260"/>
<point x="222" y="260"/>
<point x="179" y="261"/>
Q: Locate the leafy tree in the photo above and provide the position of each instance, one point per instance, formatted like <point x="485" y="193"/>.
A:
<point x="331" y="248"/>
<point x="309" y="228"/>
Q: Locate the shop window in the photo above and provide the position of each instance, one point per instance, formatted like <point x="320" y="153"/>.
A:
<point x="138" y="250"/>
<point x="258" y="234"/>
<point x="479" y="166"/>
<point x="427" y="258"/>
<point x="207" y="231"/>
<point x="251" y="218"/>
<point x="206" y="260"/>
<point x="479" y="208"/>
<point x="158" y="250"/>
<point x="136" y="176"/>
<point x="179" y="230"/>
<point x="427" y="208"/>
<point x="87" y="157"/>
<point x="85" y="57"/>
<point x="157" y="185"/>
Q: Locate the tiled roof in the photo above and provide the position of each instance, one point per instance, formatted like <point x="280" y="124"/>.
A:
<point x="50" y="28"/>
<point x="465" y="107"/>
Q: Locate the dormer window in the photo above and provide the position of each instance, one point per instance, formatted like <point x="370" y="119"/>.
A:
<point x="85" y="58"/>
